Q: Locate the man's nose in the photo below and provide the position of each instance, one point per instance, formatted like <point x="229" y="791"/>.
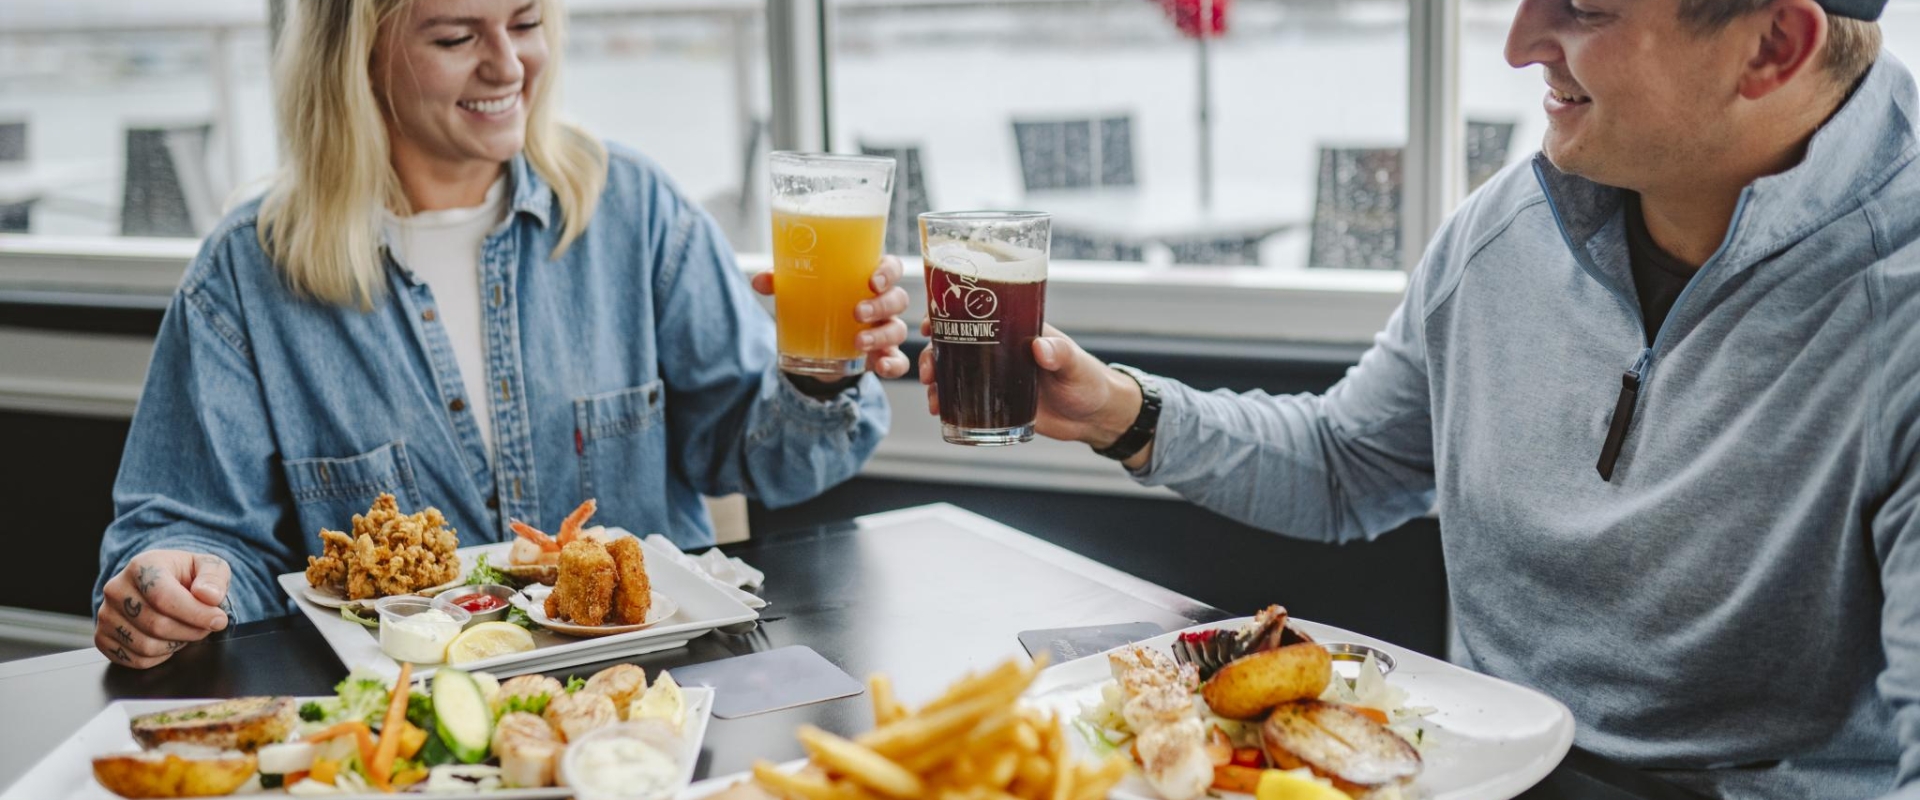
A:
<point x="1530" y="40"/>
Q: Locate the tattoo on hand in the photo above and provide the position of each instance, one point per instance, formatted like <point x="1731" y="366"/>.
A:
<point x="120" y="654"/>
<point x="132" y="607"/>
<point x="147" y="577"/>
<point x="124" y="634"/>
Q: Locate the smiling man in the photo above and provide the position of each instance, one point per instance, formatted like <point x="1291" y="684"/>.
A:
<point x="1662" y="386"/>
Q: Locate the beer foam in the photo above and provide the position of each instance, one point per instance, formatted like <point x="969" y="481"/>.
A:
<point x="993" y="261"/>
<point x="836" y="203"/>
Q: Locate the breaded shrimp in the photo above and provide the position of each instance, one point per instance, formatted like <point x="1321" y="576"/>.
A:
<point x="584" y="593"/>
<point x="633" y="595"/>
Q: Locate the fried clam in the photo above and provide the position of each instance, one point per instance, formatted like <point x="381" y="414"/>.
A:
<point x="622" y="683"/>
<point x="1338" y="743"/>
<point x="1246" y="687"/>
<point x="576" y="714"/>
<point x="528" y="749"/>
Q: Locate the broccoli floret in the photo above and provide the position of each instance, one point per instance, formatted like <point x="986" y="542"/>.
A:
<point x="311" y="711"/>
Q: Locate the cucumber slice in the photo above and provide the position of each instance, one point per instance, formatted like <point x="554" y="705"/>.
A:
<point x="461" y="715"/>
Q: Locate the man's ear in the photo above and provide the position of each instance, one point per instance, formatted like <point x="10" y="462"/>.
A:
<point x="1791" y="35"/>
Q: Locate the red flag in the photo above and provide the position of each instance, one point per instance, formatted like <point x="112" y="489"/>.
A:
<point x="1186" y="15"/>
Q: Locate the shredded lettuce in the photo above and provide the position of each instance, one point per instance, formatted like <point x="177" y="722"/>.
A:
<point x="484" y="574"/>
<point x="575" y="683"/>
<point x="362" y="696"/>
<point x="1103" y="742"/>
<point x="532" y="704"/>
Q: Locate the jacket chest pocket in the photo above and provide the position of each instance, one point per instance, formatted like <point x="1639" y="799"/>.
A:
<point x="328" y="491"/>
<point x="622" y="442"/>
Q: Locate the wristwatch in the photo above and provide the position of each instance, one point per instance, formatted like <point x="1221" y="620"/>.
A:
<point x="1144" y="424"/>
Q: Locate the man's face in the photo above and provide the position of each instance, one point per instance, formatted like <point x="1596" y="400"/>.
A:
<point x="1636" y="97"/>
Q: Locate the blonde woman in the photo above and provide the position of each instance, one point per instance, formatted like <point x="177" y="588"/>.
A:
<point x="452" y="297"/>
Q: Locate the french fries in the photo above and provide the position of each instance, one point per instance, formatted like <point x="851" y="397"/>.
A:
<point x="973" y="742"/>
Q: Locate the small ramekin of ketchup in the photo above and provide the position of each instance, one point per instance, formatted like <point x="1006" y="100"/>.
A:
<point x="486" y="602"/>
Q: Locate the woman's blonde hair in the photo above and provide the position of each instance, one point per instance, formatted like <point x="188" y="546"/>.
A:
<point x="320" y="221"/>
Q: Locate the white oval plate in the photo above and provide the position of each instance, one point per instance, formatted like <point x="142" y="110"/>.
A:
<point x="533" y="600"/>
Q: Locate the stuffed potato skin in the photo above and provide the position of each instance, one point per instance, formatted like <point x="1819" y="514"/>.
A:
<point x="1251" y="685"/>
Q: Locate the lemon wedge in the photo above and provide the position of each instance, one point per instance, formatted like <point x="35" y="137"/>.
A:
<point x="1292" y="784"/>
<point x="486" y="640"/>
<point x="662" y="701"/>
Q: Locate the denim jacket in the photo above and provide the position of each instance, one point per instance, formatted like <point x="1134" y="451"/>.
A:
<point x="637" y="369"/>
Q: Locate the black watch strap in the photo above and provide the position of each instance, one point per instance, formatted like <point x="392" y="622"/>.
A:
<point x="1144" y="424"/>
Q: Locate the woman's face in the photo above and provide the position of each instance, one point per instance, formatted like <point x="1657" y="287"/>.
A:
<point x="455" y="78"/>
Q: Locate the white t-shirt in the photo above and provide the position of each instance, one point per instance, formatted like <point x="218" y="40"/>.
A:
<point x="443" y="250"/>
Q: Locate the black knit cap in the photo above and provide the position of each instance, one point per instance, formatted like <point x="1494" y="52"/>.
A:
<point x="1868" y="10"/>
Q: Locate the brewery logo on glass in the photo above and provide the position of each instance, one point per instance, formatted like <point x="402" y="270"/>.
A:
<point x="801" y="239"/>
<point x="963" y="313"/>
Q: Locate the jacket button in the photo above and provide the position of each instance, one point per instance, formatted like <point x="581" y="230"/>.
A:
<point x="457" y="404"/>
<point x="493" y="502"/>
<point x="427" y="315"/>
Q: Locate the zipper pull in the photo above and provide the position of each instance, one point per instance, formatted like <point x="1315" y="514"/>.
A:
<point x="1622" y="414"/>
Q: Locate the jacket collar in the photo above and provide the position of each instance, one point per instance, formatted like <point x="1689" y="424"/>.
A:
<point x="1849" y="158"/>
<point x="531" y="196"/>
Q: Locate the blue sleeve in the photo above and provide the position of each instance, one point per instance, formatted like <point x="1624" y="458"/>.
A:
<point x="199" y="472"/>
<point x="1351" y="464"/>
<point x="735" y="423"/>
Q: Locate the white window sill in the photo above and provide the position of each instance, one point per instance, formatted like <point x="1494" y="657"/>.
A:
<point x="95" y="375"/>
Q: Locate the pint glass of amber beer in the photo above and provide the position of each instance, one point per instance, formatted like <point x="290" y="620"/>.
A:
<point x="986" y="299"/>
<point x="829" y="223"/>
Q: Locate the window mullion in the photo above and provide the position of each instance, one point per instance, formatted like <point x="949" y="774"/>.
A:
<point x="1434" y="171"/>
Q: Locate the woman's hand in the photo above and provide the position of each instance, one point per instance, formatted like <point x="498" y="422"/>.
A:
<point x="163" y="601"/>
<point x="885" y="330"/>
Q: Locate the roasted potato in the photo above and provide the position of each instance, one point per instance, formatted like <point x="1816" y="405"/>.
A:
<point x="1339" y="743"/>
<point x="169" y="775"/>
<point x="1248" y="686"/>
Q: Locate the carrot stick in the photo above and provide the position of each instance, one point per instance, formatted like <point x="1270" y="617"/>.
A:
<point x="340" y="729"/>
<point x="1371" y="713"/>
<point x="381" y="767"/>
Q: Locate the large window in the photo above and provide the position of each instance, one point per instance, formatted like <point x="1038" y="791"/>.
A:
<point x="685" y="84"/>
<point x="1273" y="143"/>
<point x="129" y="118"/>
<point x="150" y="118"/>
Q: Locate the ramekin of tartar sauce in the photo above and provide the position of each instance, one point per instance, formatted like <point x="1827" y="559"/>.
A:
<point x="413" y="628"/>
<point x="638" y="760"/>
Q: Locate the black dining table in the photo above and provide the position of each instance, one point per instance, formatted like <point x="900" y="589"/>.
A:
<point x="923" y="595"/>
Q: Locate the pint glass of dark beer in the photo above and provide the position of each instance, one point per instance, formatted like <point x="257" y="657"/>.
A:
<point x="986" y="299"/>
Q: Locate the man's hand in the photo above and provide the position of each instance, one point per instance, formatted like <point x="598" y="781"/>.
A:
<point x="162" y="601"/>
<point x="1081" y="398"/>
<point x="885" y="330"/>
